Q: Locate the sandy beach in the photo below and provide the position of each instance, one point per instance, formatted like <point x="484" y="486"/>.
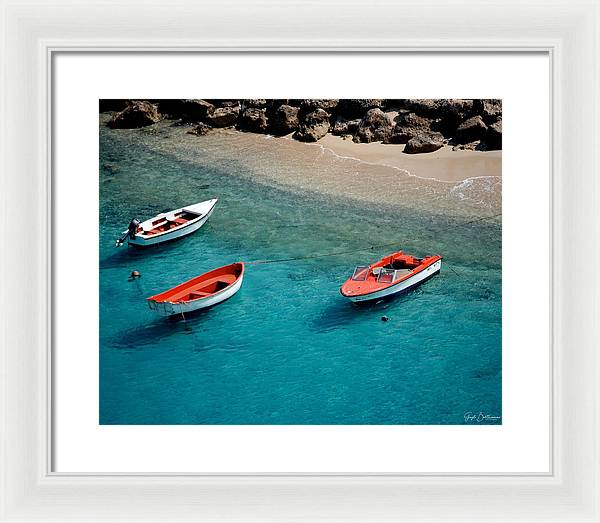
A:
<point x="444" y="164"/>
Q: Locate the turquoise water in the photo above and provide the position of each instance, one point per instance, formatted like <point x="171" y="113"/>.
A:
<point x="288" y="348"/>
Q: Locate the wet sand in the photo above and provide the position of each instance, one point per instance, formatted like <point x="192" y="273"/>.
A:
<point x="444" y="164"/>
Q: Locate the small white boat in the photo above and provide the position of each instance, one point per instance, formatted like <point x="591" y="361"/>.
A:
<point x="168" y="226"/>
<point x="201" y="292"/>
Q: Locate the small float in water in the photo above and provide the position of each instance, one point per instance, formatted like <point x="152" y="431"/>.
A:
<point x="390" y="276"/>
<point x="201" y="292"/>
<point x="168" y="226"/>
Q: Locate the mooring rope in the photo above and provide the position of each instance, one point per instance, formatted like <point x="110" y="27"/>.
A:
<point x="337" y="253"/>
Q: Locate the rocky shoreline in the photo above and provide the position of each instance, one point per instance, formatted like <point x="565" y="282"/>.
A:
<point x="421" y="125"/>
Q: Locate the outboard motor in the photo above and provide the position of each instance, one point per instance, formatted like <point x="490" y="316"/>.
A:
<point x="131" y="230"/>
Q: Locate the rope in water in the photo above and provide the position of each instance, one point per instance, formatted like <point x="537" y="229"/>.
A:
<point x="337" y="253"/>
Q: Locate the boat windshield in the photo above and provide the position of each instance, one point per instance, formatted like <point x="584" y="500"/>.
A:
<point x="361" y="273"/>
<point x="387" y="276"/>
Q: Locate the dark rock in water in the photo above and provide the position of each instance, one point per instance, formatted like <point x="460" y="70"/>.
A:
<point x="111" y="104"/>
<point x="472" y="129"/>
<point x="200" y="130"/>
<point x="190" y="110"/>
<point x="342" y="127"/>
<point x="424" y="143"/>
<point x="284" y="119"/>
<point x="254" y="120"/>
<point x="310" y="106"/>
<point x="223" y="116"/>
<point x="489" y="109"/>
<point x="110" y="169"/>
<point x="493" y="138"/>
<point x="136" y="114"/>
<point x="313" y="126"/>
<point x="357" y="108"/>
<point x="407" y="126"/>
<point x="376" y="126"/>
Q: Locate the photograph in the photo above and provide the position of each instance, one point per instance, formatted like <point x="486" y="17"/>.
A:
<point x="300" y="261"/>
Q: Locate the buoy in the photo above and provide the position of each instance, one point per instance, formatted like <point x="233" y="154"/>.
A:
<point x="384" y="318"/>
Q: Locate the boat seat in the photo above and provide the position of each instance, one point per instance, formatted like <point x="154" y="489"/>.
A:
<point x="226" y="279"/>
<point x="194" y="295"/>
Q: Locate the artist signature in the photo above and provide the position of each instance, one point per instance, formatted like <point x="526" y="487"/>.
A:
<point x="479" y="417"/>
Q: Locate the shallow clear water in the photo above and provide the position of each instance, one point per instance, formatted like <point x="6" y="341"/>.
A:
<point x="288" y="348"/>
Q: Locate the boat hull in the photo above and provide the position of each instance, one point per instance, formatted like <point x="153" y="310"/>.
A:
<point x="172" y="309"/>
<point x="179" y="232"/>
<point x="400" y="287"/>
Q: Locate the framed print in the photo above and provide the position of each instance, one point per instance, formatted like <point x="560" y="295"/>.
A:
<point x="299" y="262"/>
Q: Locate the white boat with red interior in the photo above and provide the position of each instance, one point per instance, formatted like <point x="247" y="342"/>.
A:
<point x="168" y="225"/>
<point x="201" y="292"/>
<point x="390" y="276"/>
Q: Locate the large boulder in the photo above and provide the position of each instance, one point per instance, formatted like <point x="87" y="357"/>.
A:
<point x="284" y="119"/>
<point x="254" y="120"/>
<point x="376" y="126"/>
<point x="357" y="108"/>
<point x="406" y="126"/>
<point x="424" y="143"/>
<point x="255" y="103"/>
<point x="310" y="106"/>
<point x="493" y="139"/>
<point x="136" y="114"/>
<point x="189" y="110"/>
<point x="490" y="110"/>
<point x="313" y="126"/>
<point x="343" y="127"/>
<point x="471" y="130"/>
<point x="450" y="114"/>
<point x="223" y="116"/>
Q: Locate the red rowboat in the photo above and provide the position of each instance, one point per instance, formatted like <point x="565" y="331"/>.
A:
<point x="203" y="291"/>
<point x="392" y="275"/>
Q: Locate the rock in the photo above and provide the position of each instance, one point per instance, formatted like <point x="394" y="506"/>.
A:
<point x="424" y="143"/>
<point x="467" y="146"/>
<point x="313" y="126"/>
<point x="111" y="104"/>
<point x="136" y="114"/>
<point x="284" y="119"/>
<point x="357" y="108"/>
<point x="450" y="114"/>
<point x="254" y="120"/>
<point x="200" y="130"/>
<point x="489" y="109"/>
<point x="407" y="126"/>
<point x="223" y="116"/>
<point x="309" y="106"/>
<point x="429" y="108"/>
<point x="471" y="130"/>
<point x="343" y="127"/>
<point x="493" y="139"/>
<point x="255" y="103"/>
<point x="376" y="126"/>
<point x="189" y="110"/>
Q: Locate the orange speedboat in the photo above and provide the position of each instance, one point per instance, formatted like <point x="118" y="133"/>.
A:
<point x="392" y="275"/>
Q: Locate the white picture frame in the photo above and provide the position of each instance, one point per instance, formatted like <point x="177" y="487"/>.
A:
<point x="32" y="32"/>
